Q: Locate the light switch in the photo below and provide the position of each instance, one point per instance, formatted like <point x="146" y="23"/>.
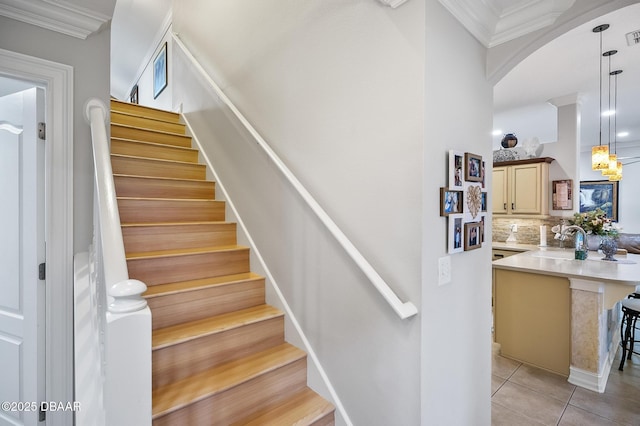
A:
<point x="444" y="270"/>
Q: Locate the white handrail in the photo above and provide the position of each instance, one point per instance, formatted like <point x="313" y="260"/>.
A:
<point x="125" y="323"/>
<point x="403" y="309"/>
<point x="126" y="293"/>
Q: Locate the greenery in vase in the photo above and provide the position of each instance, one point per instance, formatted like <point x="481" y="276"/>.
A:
<point x="596" y="222"/>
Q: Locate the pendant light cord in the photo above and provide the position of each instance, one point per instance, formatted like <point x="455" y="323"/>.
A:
<point x="609" y="112"/>
<point x="600" y="111"/>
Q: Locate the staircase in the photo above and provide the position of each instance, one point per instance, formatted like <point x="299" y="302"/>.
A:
<point x="219" y="355"/>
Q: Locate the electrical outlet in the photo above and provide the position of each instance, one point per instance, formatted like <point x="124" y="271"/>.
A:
<point x="444" y="270"/>
<point x="514" y="227"/>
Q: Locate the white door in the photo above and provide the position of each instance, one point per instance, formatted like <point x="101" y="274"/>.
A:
<point x="22" y="250"/>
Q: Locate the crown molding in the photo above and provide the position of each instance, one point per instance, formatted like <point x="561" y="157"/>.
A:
<point x="492" y="24"/>
<point x="570" y="99"/>
<point x="59" y="16"/>
<point x="392" y="3"/>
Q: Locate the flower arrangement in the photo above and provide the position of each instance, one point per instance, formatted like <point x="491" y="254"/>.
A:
<point x="596" y="222"/>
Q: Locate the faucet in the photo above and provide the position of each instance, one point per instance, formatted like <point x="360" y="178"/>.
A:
<point x="581" y="249"/>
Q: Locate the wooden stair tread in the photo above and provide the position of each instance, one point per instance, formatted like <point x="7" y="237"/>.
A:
<point x="131" y="114"/>
<point x="146" y="122"/>
<point x="157" y="167"/>
<point x="162" y="178"/>
<point x="302" y="408"/>
<point x="142" y="110"/>
<point x="195" y="223"/>
<point x="215" y="341"/>
<point x="187" y="331"/>
<point x="181" y="393"/>
<point x="183" y="252"/>
<point x="163" y="132"/>
<point x="172" y="288"/>
<point x="191" y="200"/>
<point x="150" y="209"/>
<point x="158" y="160"/>
<point x="159" y="145"/>
<point x="150" y="135"/>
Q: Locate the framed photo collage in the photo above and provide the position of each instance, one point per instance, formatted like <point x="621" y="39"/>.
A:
<point x="464" y="202"/>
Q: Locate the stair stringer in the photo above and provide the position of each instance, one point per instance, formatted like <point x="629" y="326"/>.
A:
<point x="317" y="378"/>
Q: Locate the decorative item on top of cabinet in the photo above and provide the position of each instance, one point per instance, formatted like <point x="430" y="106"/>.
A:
<point x="521" y="187"/>
<point x="509" y="141"/>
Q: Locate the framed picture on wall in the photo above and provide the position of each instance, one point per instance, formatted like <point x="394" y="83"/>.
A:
<point x="456" y="170"/>
<point x="160" y="71"/>
<point x="133" y="96"/>
<point x="562" y="198"/>
<point x="456" y="233"/>
<point x="450" y="201"/>
<point x="473" y="235"/>
<point x="473" y="167"/>
<point x="601" y="194"/>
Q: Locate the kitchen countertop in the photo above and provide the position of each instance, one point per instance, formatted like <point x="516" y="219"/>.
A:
<point x="560" y="262"/>
<point x="513" y="246"/>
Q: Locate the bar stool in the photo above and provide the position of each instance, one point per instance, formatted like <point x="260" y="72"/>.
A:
<point x="630" y="314"/>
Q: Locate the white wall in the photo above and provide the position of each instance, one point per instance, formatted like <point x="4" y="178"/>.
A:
<point x="90" y="60"/>
<point x="565" y="150"/>
<point x="456" y="317"/>
<point x="337" y="88"/>
<point x="145" y="82"/>
<point x="340" y="90"/>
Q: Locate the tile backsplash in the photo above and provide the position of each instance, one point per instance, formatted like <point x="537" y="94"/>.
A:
<point x="528" y="229"/>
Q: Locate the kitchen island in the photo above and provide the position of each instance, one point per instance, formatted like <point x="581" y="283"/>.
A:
<point x="561" y="314"/>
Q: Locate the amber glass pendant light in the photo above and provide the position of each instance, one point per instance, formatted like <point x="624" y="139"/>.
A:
<point x="612" y="167"/>
<point x="617" y="175"/>
<point x="600" y="153"/>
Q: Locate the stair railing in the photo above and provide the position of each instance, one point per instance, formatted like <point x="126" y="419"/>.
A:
<point x="118" y="310"/>
<point x="403" y="309"/>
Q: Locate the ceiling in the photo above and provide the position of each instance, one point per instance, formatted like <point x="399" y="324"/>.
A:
<point x="569" y="65"/>
<point x="137" y="24"/>
<point x="566" y="66"/>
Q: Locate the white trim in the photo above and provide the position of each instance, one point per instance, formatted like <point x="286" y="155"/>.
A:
<point x="392" y="3"/>
<point x="596" y="382"/>
<point x="586" y="285"/>
<point x="404" y="310"/>
<point x="58" y="81"/>
<point x="59" y="16"/>
<point x="307" y="345"/>
<point x="492" y="25"/>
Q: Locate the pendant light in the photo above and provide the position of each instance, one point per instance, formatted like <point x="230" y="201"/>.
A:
<point x="618" y="166"/>
<point x="612" y="165"/>
<point x="600" y="153"/>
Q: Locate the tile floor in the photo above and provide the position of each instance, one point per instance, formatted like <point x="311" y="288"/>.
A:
<point x="523" y="395"/>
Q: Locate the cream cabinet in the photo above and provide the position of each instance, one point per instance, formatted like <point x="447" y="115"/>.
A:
<point x="521" y="187"/>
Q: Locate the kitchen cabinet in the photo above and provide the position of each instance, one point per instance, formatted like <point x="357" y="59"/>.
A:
<point x="521" y="187"/>
<point x="561" y="314"/>
<point x="533" y="319"/>
<point x="501" y="254"/>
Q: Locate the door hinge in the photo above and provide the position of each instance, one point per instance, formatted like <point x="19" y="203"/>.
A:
<point x="42" y="271"/>
<point x="42" y="131"/>
<point x="42" y="415"/>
